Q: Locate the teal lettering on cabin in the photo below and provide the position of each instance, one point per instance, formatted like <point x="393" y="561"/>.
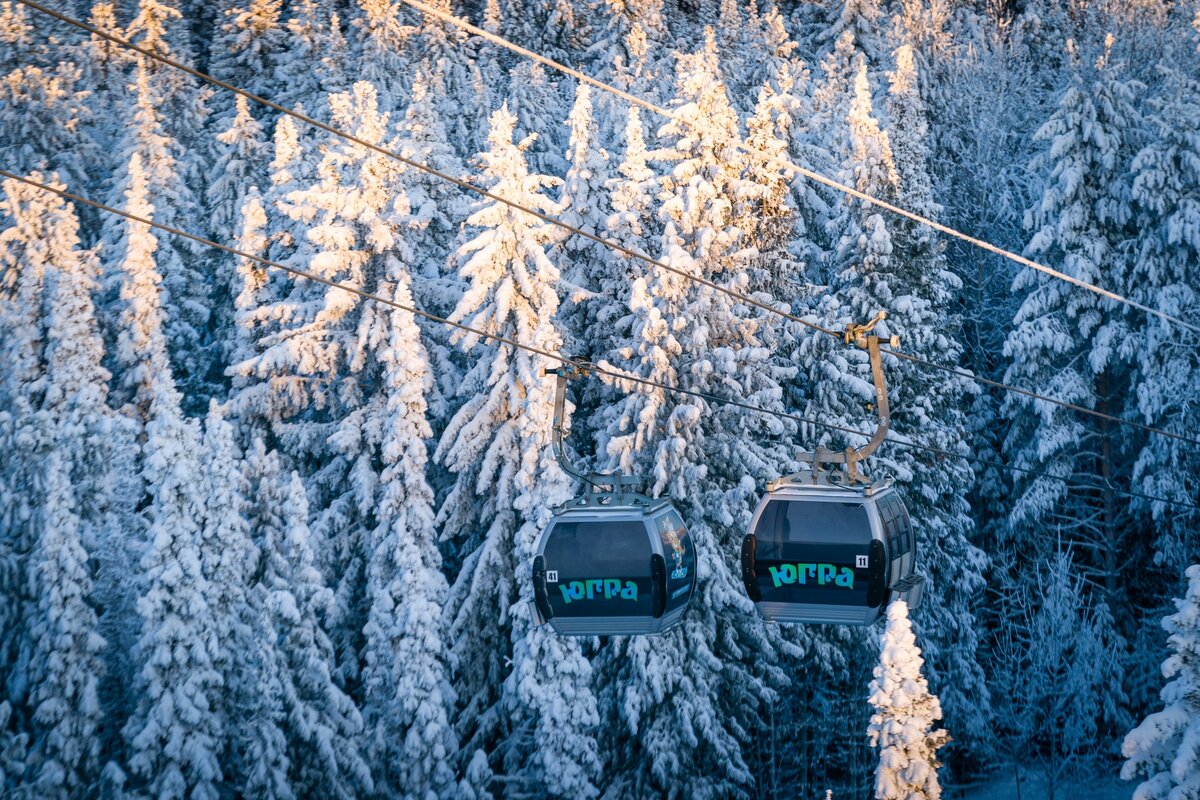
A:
<point x="598" y="588"/>
<point x="805" y="574"/>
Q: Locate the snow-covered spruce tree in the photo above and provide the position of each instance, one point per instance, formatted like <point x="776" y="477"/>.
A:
<point x="160" y="27"/>
<point x="557" y="29"/>
<point x="43" y="123"/>
<point x="861" y="20"/>
<point x="1056" y="678"/>
<point x="1164" y="749"/>
<point x="1166" y="189"/>
<point x="18" y="36"/>
<point x="539" y="106"/>
<point x="186" y="301"/>
<point x="905" y="713"/>
<point x="630" y="35"/>
<point x="249" y="41"/>
<point x="585" y="266"/>
<point x="676" y="708"/>
<point x="631" y="194"/>
<point x="177" y="685"/>
<point x="380" y="40"/>
<point x="60" y="492"/>
<point x="920" y="299"/>
<point x="313" y="52"/>
<point x="436" y="210"/>
<point x="408" y="700"/>
<point x="240" y="166"/>
<point x="66" y="664"/>
<point x="322" y="725"/>
<point x="239" y="169"/>
<point x="519" y="683"/>
<point x="1072" y="344"/>
<point x="466" y="74"/>
<point x="250" y="701"/>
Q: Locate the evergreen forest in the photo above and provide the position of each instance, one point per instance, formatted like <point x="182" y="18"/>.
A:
<point x="268" y="510"/>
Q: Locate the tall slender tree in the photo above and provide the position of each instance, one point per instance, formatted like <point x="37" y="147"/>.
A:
<point x="523" y="684"/>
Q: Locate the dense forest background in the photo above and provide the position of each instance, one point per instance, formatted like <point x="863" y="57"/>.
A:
<point x="261" y="537"/>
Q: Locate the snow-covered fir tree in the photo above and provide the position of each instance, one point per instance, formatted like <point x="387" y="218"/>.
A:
<point x="675" y="721"/>
<point x="186" y="302"/>
<point x="905" y="713"/>
<point x="323" y="728"/>
<point x="1164" y="750"/>
<point x="1069" y="343"/>
<point x="1166" y="189"/>
<point x="177" y="683"/>
<point x="408" y="699"/>
<point x="519" y="683"/>
<point x="585" y="265"/>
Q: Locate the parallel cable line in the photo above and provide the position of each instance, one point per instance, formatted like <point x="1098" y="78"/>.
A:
<point x="791" y="167"/>
<point x="620" y="376"/>
<point x="611" y="244"/>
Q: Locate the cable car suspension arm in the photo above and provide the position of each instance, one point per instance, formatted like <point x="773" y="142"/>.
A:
<point x="861" y="336"/>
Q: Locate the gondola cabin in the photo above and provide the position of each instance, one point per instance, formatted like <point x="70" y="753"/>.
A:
<point x="614" y="565"/>
<point x="828" y="553"/>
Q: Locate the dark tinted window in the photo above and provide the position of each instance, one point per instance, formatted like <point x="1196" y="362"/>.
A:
<point x="813" y="552"/>
<point x="602" y="569"/>
<point x="680" y="557"/>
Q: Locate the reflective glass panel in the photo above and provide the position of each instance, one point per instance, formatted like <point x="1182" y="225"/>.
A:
<point x="814" y="552"/>
<point x="600" y="569"/>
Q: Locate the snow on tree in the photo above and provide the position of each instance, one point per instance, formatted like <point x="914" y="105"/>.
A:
<point x="1166" y="189"/>
<point x="251" y="701"/>
<point x="677" y="707"/>
<point x="1072" y="344"/>
<point x="43" y="118"/>
<point x="312" y="61"/>
<point x="60" y="442"/>
<point x="539" y="106"/>
<point x="323" y="728"/>
<point x="627" y="44"/>
<point x="66" y="665"/>
<point x="507" y="481"/>
<point x="168" y="198"/>
<point x="177" y="684"/>
<point x="905" y="713"/>
<point x="240" y="166"/>
<point x="860" y="20"/>
<point x="436" y="210"/>
<point x="408" y="700"/>
<point x="237" y="172"/>
<point x="1165" y="748"/>
<point x="249" y="41"/>
<point x="17" y="34"/>
<point x="380" y="40"/>
<point x="467" y="77"/>
<point x="585" y="266"/>
<point x="1057" y="675"/>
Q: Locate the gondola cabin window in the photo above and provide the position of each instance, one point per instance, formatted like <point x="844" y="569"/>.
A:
<point x="810" y="552"/>
<point x="680" y="557"/>
<point x="601" y="568"/>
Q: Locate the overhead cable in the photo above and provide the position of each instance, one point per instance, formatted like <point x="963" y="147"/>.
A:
<point x="803" y="171"/>
<point x="613" y="374"/>
<point x="547" y="218"/>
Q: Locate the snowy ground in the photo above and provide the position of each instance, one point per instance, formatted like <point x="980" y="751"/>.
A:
<point x="1004" y="787"/>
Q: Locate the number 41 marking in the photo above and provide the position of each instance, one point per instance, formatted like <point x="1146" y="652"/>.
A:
<point x="551" y="576"/>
